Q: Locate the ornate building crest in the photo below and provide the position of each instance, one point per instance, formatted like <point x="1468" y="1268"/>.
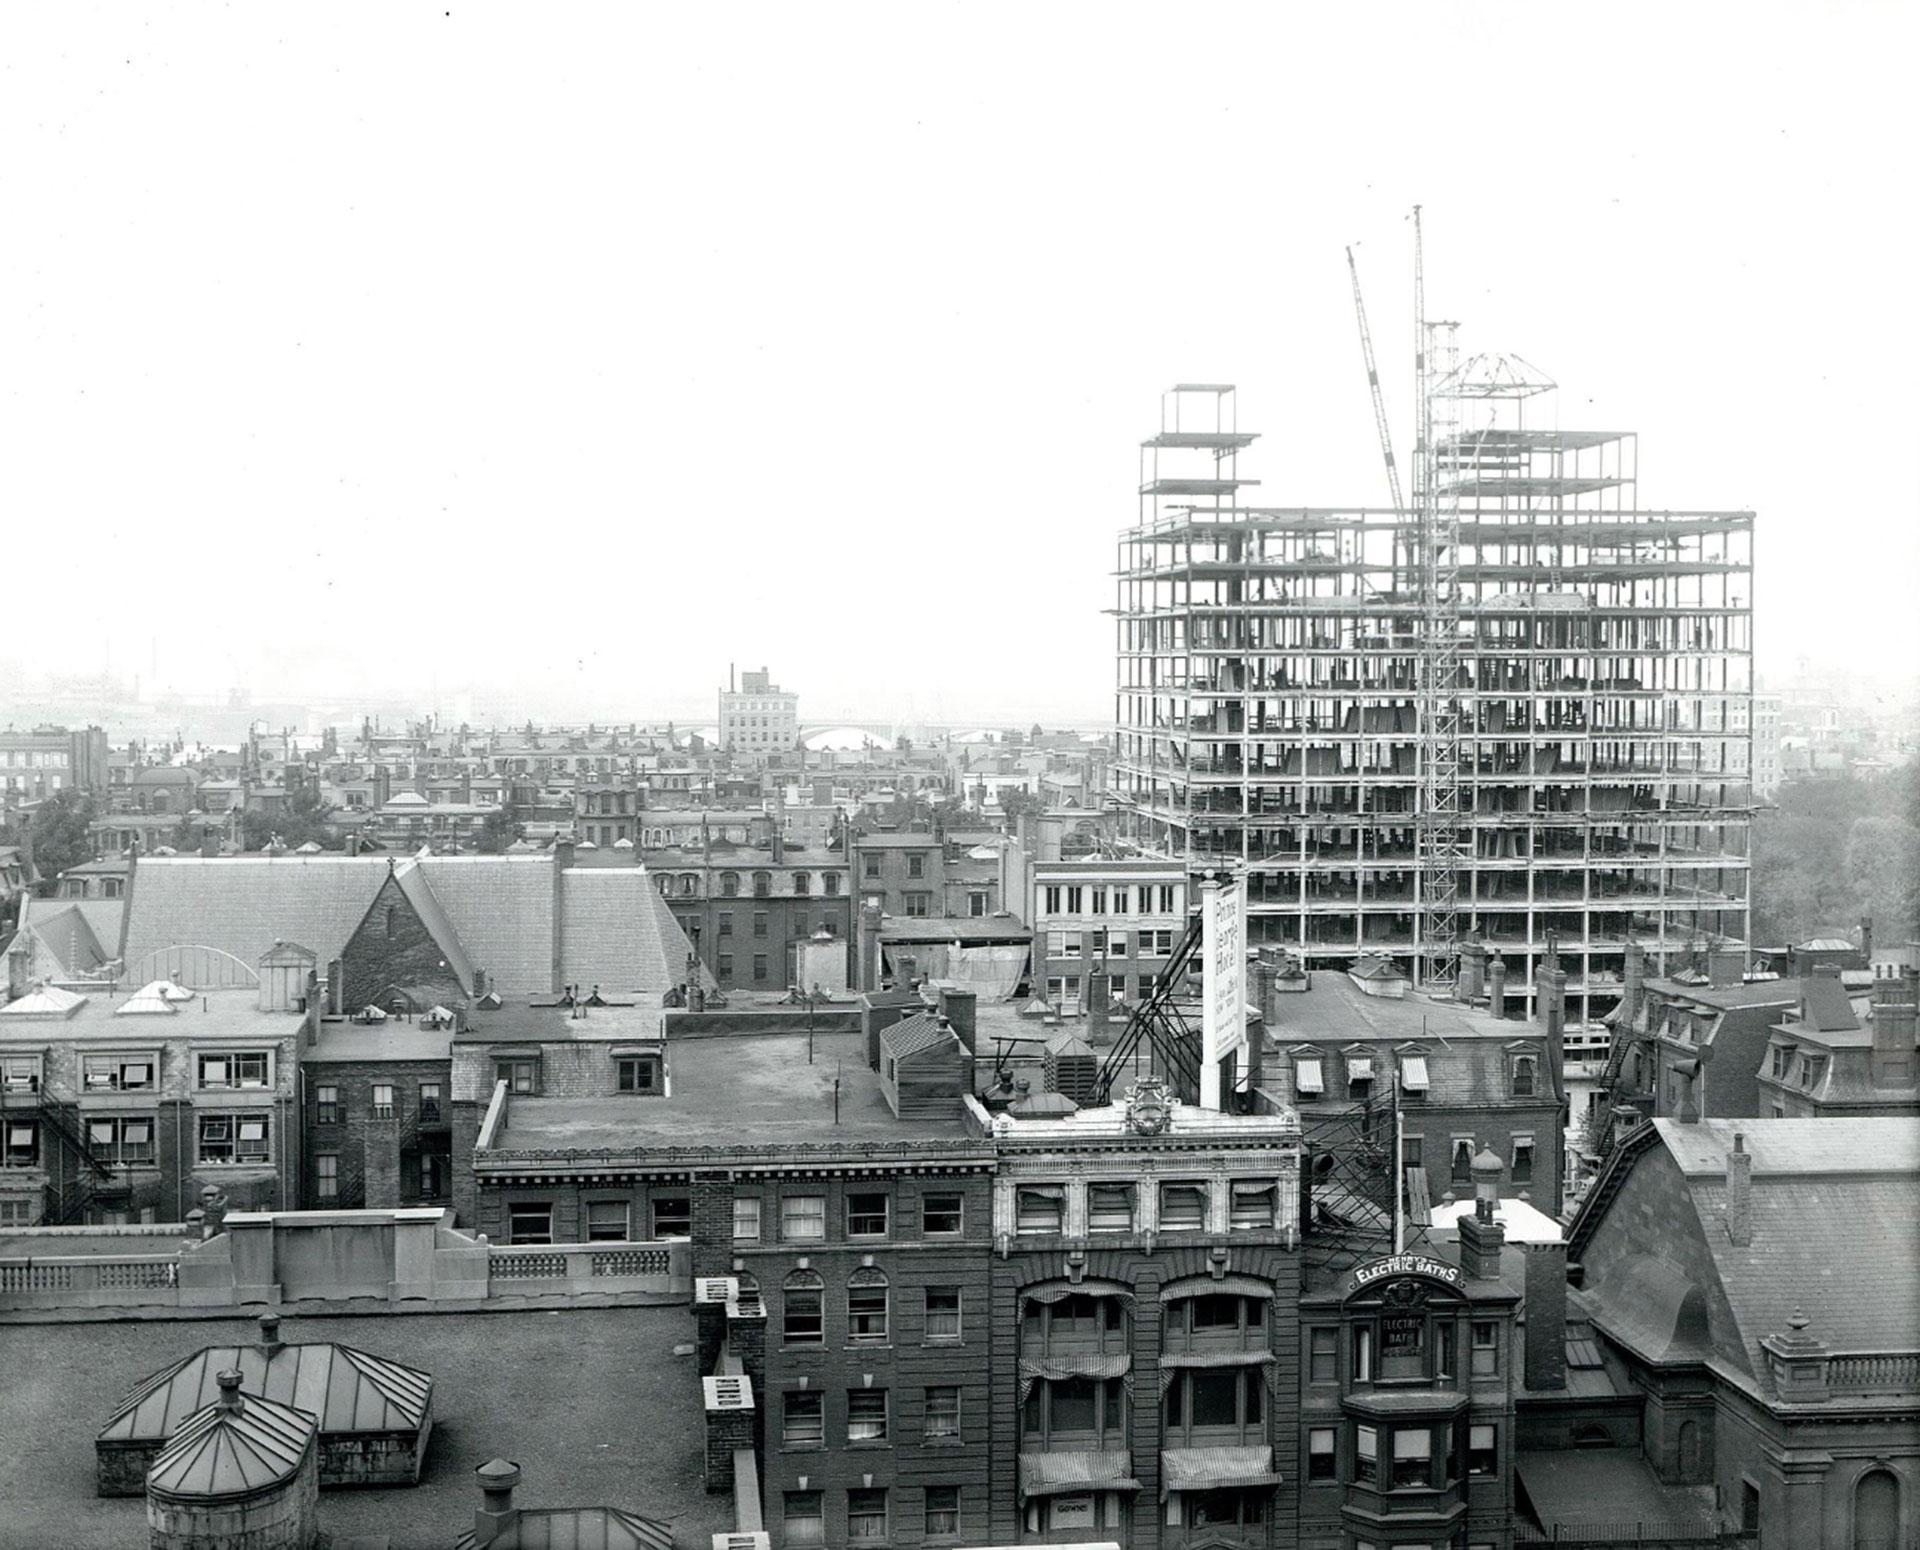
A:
<point x="1149" y="1107"/>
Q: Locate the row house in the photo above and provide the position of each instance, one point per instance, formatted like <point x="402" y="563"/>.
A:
<point x="131" y="1107"/>
<point x="752" y="916"/>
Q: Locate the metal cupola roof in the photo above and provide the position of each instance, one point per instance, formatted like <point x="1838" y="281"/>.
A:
<point x="239" y="1446"/>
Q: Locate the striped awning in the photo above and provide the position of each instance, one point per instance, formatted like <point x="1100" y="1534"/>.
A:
<point x="1226" y="1286"/>
<point x="1059" y="1291"/>
<point x="1172" y="1364"/>
<point x="1216" y="1469"/>
<point x="1088" y="1365"/>
<point x="1058" y="1474"/>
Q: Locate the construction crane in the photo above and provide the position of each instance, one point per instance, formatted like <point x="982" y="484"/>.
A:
<point x="1442" y="837"/>
<point x="1373" y="386"/>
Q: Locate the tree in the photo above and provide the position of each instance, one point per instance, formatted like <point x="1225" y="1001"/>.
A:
<point x="307" y="817"/>
<point x="1832" y="851"/>
<point x="1014" y="801"/>
<point x="499" y="829"/>
<point x="60" y="835"/>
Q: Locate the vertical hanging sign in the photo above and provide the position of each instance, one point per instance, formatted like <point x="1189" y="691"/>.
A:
<point x="1223" y="951"/>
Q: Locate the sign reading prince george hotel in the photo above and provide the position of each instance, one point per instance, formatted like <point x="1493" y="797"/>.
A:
<point x="1407" y="1265"/>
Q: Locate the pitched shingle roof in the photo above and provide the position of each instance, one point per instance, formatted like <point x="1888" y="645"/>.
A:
<point x="913" y="1034"/>
<point x="242" y="904"/>
<point x="502" y="907"/>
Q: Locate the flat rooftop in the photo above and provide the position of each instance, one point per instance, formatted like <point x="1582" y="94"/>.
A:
<point x="210" y="1014"/>
<point x="629" y="1016"/>
<point x="745" y="1090"/>
<point x="505" y="1384"/>
<point x="1333" y="1008"/>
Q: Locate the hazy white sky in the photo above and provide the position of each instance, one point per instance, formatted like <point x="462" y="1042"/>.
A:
<point x="580" y="350"/>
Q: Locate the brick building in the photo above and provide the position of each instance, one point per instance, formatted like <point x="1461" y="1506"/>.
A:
<point x="1120" y="918"/>
<point x="376" y="1101"/>
<point x="122" y="1108"/>
<point x="750" y="911"/>
<point x="759" y="717"/>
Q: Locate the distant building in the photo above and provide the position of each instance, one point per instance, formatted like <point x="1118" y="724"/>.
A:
<point x="751" y="911"/>
<point x="759" y="717"/>
<point x="1822" y="1060"/>
<point x="36" y="764"/>
<point x="1117" y="918"/>
<point x="1767" y="773"/>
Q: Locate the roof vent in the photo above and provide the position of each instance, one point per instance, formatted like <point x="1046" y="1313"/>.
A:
<point x="728" y="1392"/>
<point x="757" y="1540"/>
<point x="715" y="1289"/>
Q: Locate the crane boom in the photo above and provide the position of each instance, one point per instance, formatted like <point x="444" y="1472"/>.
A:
<point x="1373" y="386"/>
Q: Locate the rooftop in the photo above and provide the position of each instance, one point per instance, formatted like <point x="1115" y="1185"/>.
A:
<point x="213" y="1015"/>
<point x="1333" y="1009"/>
<point x="644" y="1418"/>
<point x="953" y="928"/>
<point x="525" y="1023"/>
<point x="745" y="1090"/>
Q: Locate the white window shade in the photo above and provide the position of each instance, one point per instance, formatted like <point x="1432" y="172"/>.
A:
<point x="1413" y="1073"/>
<point x="1359" y="1068"/>
<point x="1308" y="1075"/>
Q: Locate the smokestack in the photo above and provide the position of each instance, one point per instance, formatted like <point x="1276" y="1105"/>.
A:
<point x="497" y="1513"/>
<point x="1546" y="1348"/>
<point x="1740" y="1194"/>
<point x="1497" y="985"/>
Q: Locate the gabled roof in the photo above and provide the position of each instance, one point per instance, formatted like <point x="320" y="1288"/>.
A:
<point x="1824" y="1005"/>
<point x="344" y="1389"/>
<point x="617" y="932"/>
<point x="912" y="1035"/>
<point x="413" y="883"/>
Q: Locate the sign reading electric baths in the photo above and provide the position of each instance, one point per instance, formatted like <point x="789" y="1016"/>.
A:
<point x="1395" y="1265"/>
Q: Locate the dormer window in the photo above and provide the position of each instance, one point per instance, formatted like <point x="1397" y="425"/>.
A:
<point x="1413" y="1075"/>
<point x="1309" y="1076"/>
<point x="729" y="885"/>
<point x="1359" y="1077"/>
<point x="1525" y="1074"/>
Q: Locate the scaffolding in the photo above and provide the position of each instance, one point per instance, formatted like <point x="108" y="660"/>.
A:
<point x="1518" y="709"/>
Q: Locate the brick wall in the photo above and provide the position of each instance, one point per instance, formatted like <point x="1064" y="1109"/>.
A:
<point x="392" y="946"/>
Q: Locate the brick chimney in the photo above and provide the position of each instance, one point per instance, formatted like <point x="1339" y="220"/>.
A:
<point x="1740" y="1193"/>
<point x="1546" y="1348"/>
<point x="19" y="957"/>
<point x="1726" y="966"/>
<point x="1634" y="977"/>
<point x="1481" y="1235"/>
<point x="1896" y="1002"/>
<point x="496" y="1513"/>
<point x="1497" y="985"/>
<point x="1472" y="983"/>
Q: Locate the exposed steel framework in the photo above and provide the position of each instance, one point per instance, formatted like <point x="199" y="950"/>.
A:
<point x="1518" y="706"/>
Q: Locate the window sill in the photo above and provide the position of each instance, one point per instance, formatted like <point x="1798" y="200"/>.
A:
<point x="869" y="1345"/>
<point x="863" y="1446"/>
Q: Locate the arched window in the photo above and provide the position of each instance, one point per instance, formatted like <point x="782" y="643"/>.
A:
<point x="664" y="883"/>
<point x="393" y="916"/>
<point x="729" y="885"/>
<point x="830" y="881"/>
<point x="867" y="1306"/>
<point x="689" y="885"/>
<point x="801" y="1317"/>
<point x="803" y="882"/>
<point x="1876" y="1511"/>
<point x="762" y="884"/>
<point x="1523" y="1076"/>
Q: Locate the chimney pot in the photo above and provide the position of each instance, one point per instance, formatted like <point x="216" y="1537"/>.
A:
<point x="270" y="1333"/>
<point x="230" y="1392"/>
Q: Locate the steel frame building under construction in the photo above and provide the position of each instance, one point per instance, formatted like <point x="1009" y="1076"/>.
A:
<point x="1517" y="706"/>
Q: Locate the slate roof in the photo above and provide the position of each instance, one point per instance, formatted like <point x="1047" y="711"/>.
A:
<point x="1824" y="1005"/>
<point x="1774" y="992"/>
<point x="502" y="907"/>
<point x="61" y="938"/>
<point x="1834" y="1207"/>
<point x="344" y="1389"/>
<point x="242" y="904"/>
<point x="617" y="932"/>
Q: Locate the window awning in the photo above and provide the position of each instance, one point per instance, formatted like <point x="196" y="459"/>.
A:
<point x="1413" y="1073"/>
<point x="1207" y="1286"/>
<point x="1088" y="1365"/>
<point x="1059" y="1291"/>
<point x="1215" y="1358"/>
<point x="1359" y="1068"/>
<point x="1308" y="1077"/>
<point x="1057" y="1474"/>
<point x="1216" y="1469"/>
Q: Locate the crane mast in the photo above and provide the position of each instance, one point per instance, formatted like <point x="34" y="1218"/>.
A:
<point x="1443" y="836"/>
